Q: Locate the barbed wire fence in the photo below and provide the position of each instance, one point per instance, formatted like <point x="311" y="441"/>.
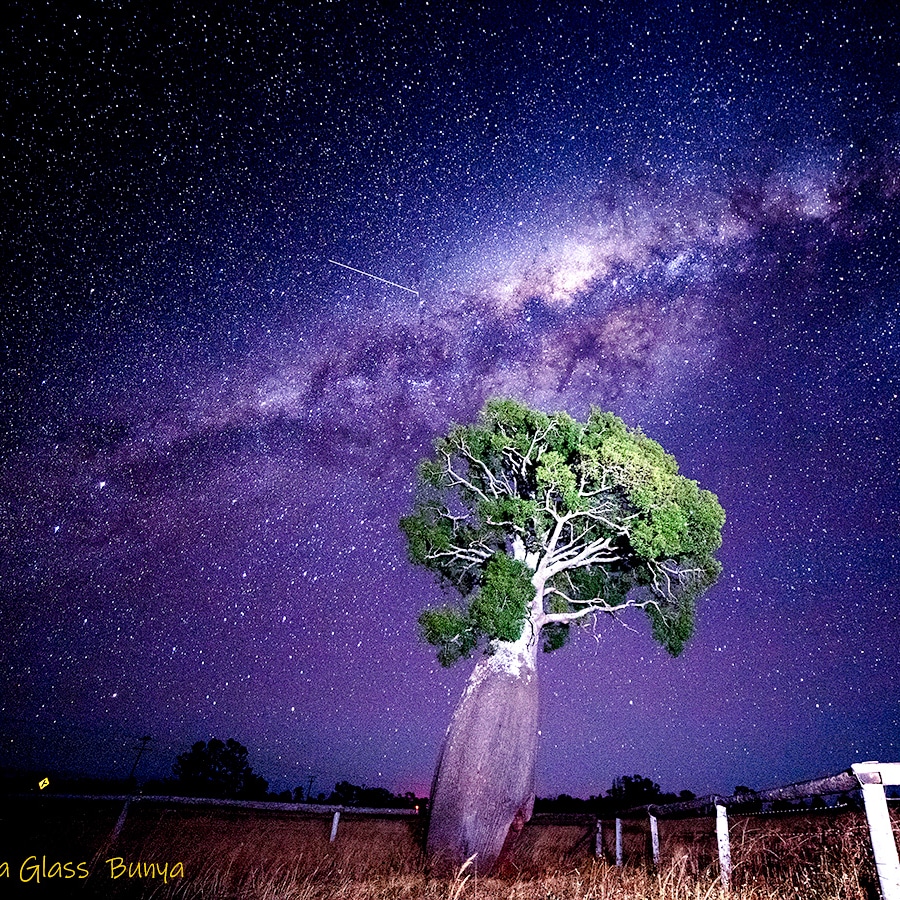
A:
<point x="870" y="778"/>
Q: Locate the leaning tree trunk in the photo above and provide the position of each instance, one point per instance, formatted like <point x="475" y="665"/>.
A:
<point x="484" y="783"/>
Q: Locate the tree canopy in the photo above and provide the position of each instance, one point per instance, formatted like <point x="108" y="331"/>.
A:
<point x="539" y="521"/>
<point x="346" y="794"/>
<point x="627" y="792"/>
<point x="220" y="770"/>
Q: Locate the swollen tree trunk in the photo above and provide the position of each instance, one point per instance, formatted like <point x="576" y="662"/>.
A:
<point x="484" y="783"/>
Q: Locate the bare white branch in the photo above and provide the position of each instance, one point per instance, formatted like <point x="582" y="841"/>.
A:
<point x="597" y="605"/>
<point x="597" y="552"/>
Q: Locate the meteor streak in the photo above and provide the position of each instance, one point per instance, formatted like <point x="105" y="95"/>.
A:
<point x="376" y="277"/>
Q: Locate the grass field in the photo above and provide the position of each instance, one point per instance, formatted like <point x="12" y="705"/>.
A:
<point x="281" y="855"/>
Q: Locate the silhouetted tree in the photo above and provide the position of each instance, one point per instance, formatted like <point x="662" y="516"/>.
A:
<point x="746" y="799"/>
<point x="629" y="791"/>
<point x="564" y="803"/>
<point x="346" y="794"/>
<point x="220" y="770"/>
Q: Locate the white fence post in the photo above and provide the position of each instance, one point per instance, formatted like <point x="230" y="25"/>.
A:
<point x="872" y="778"/>
<point x="618" y="842"/>
<point x="654" y="839"/>
<point x="724" y="843"/>
<point x="334" y="825"/>
<point x="598" y="847"/>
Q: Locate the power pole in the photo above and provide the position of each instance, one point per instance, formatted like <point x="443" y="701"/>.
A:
<point x="144" y="741"/>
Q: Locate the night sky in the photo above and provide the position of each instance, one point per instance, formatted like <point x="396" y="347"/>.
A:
<point x="687" y="214"/>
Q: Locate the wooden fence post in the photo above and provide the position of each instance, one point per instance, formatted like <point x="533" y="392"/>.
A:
<point x="618" y="842"/>
<point x="598" y="846"/>
<point x="654" y="839"/>
<point x="114" y="834"/>
<point x="724" y="843"/>
<point x="334" y="825"/>
<point x="872" y="778"/>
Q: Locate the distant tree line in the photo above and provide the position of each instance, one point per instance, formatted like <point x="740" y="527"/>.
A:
<point x="221" y="770"/>
<point x="627" y="792"/>
<point x="635" y="791"/>
<point x="346" y="794"/>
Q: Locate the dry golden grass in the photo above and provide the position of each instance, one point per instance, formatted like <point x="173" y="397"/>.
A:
<point x="238" y="854"/>
<point x="791" y="857"/>
<point x="238" y="841"/>
<point x="597" y="881"/>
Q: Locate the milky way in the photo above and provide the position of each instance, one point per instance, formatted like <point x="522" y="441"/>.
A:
<point x="686" y="215"/>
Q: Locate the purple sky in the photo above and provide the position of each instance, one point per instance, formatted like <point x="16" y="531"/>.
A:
<point x="686" y="213"/>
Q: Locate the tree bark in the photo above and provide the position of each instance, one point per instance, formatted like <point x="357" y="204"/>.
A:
<point x="484" y="782"/>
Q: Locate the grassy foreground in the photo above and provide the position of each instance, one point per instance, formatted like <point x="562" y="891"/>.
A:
<point x="772" y="860"/>
<point x="598" y="881"/>
<point x="272" y="855"/>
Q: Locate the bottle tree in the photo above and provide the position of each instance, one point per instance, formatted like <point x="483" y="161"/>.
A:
<point x="540" y="522"/>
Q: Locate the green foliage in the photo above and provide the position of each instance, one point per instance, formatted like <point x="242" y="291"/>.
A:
<point x="450" y="631"/>
<point x="673" y="623"/>
<point x="498" y="610"/>
<point x="612" y="583"/>
<point x="518" y="476"/>
<point x="556" y="636"/>
<point x="557" y="476"/>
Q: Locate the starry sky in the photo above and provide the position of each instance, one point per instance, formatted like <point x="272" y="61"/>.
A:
<point x="685" y="213"/>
